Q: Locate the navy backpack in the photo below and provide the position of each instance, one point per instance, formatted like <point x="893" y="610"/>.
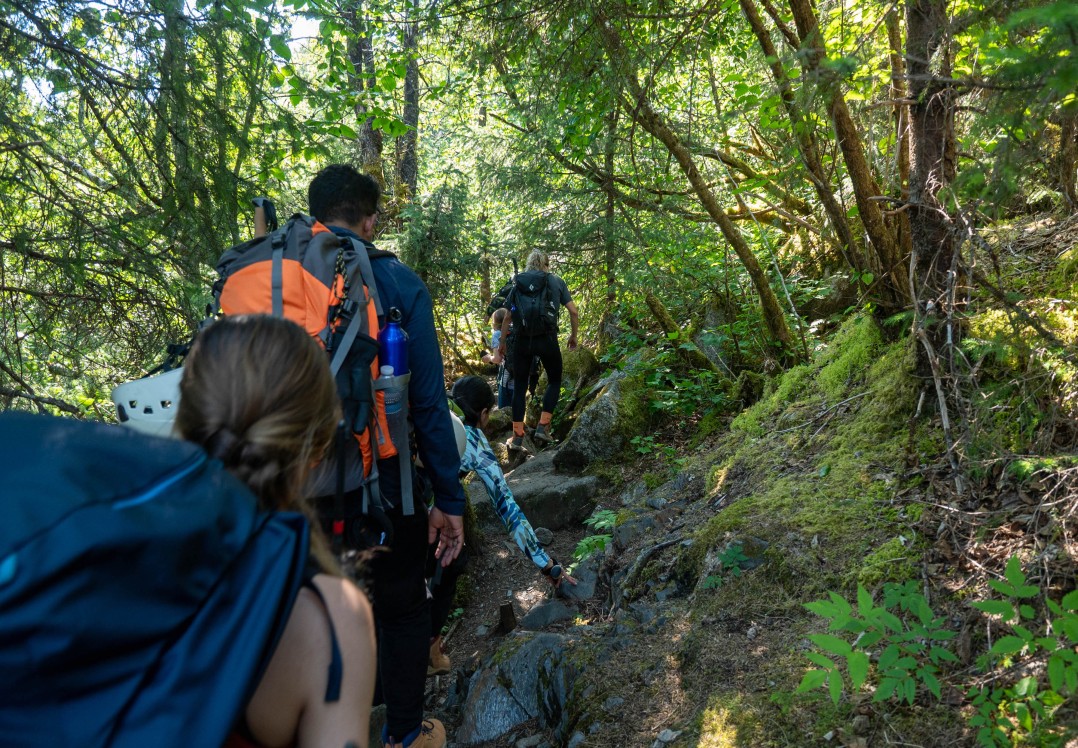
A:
<point x="142" y="592"/>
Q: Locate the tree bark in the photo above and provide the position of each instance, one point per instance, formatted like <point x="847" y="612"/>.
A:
<point x="1068" y="157"/>
<point x="902" y="130"/>
<point x="361" y="54"/>
<point x="932" y="148"/>
<point x="886" y="261"/>
<point x="407" y="160"/>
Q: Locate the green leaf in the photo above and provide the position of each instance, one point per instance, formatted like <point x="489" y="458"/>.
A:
<point x="857" y="663"/>
<point x="834" y="685"/>
<point x="885" y="690"/>
<point x="813" y="679"/>
<point x="824" y="470"/>
<point x="1013" y="572"/>
<point x="1002" y="587"/>
<point x="1070" y="601"/>
<point x="1007" y="645"/>
<point x="818" y="659"/>
<point x="909" y="688"/>
<point x="1055" y="673"/>
<point x="831" y="644"/>
<point x="1026" y="687"/>
<point x="867" y="278"/>
<point x="889" y="656"/>
<point x="864" y="600"/>
<point x="931" y="683"/>
<point x="278" y="45"/>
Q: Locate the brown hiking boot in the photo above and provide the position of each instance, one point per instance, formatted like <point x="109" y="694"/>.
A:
<point x="431" y="735"/>
<point x="438" y="664"/>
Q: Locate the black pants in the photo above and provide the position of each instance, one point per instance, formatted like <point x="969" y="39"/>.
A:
<point x="443" y="588"/>
<point x="402" y="621"/>
<point x="397" y="583"/>
<point x="549" y="352"/>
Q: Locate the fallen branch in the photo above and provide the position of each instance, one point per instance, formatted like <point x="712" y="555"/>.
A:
<point x="638" y="564"/>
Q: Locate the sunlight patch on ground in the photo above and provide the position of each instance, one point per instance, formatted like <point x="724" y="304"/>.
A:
<point x="716" y="731"/>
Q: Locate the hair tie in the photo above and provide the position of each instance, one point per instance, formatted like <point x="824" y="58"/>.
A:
<point x="223" y="444"/>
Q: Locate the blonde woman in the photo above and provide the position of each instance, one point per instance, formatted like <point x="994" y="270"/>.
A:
<point x="539" y="341"/>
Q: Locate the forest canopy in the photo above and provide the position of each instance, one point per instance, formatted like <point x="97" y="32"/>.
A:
<point x="734" y="164"/>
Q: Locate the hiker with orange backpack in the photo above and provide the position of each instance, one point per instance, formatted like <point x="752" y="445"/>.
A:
<point x="347" y="202"/>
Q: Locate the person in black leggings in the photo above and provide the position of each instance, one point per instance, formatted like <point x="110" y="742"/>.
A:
<point x="543" y="345"/>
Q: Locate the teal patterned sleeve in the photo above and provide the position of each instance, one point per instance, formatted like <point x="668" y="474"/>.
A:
<point x="479" y="457"/>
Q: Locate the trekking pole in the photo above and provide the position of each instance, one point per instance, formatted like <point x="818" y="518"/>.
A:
<point x="265" y="216"/>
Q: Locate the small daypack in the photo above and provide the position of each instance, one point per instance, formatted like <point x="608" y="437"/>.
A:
<point x="142" y="591"/>
<point x="532" y="305"/>
<point x="306" y="273"/>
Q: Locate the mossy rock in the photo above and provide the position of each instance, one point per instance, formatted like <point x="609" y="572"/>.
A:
<point x="607" y="425"/>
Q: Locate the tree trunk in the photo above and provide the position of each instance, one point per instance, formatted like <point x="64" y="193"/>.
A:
<point x="610" y="245"/>
<point x="806" y="143"/>
<point x="887" y="259"/>
<point x="361" y="54"/>
<point x="1068" y="157"/>
<point x="902" y="129"/>
<point x="932" y="155"/>
<point x="774" y="320"/>
<point x="407" y="159"/>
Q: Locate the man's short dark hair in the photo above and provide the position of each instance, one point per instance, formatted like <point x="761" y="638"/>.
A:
<point x="341" y="194"/>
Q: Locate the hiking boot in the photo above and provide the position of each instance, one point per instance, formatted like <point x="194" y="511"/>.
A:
<point x="541" y="434"/>
<point x="438" y="664"/>
<point x="515" y="444"/>
<point x="429" y="734"/>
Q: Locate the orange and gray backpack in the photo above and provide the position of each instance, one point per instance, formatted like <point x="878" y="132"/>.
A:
<point x="306" y="273"/>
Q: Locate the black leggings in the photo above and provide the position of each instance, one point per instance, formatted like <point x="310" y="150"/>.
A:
<point x="548" y="350"/>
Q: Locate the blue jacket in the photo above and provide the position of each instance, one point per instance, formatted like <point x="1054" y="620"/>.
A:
<point x="400" y="287"/>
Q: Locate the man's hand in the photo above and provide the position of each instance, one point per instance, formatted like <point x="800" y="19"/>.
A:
<point x="572" y="342"/>
<point x="448" y="530"/>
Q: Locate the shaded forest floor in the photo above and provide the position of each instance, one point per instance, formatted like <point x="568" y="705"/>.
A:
<point x="838" y="477"/>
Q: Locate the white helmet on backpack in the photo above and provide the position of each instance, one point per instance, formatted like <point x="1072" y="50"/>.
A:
<point x="149" y="404"/>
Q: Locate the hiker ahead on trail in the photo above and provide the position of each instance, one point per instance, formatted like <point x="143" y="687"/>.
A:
<point x="534" y="303"/>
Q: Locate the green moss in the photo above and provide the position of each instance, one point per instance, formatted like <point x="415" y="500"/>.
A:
<point x="633" y="416"/>
<point x="891" y="562"/>
<point x="653" y="480"/>
<point x="848" y="357"/>
<point x="816" y="498"/>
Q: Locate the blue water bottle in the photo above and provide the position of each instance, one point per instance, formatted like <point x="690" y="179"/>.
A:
<point x="393" y="343"/>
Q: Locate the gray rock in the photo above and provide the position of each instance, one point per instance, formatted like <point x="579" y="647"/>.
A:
<point x="576" y="740"/>
<point x="631" y="529"/>
<point x="613" y="703"/>
<point x="549" y="499"/>
<point x="641" y="612"/>
<point x="545" y="614"/>
<point x="544" y="536"/>
<point x="587" y="577"/>
<point x="656" y="502"/>
<point x="530" y="742"/>
<point x="669" y="736"/>
<point x="482" y="631"/>
<point x="529" y="677"/>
